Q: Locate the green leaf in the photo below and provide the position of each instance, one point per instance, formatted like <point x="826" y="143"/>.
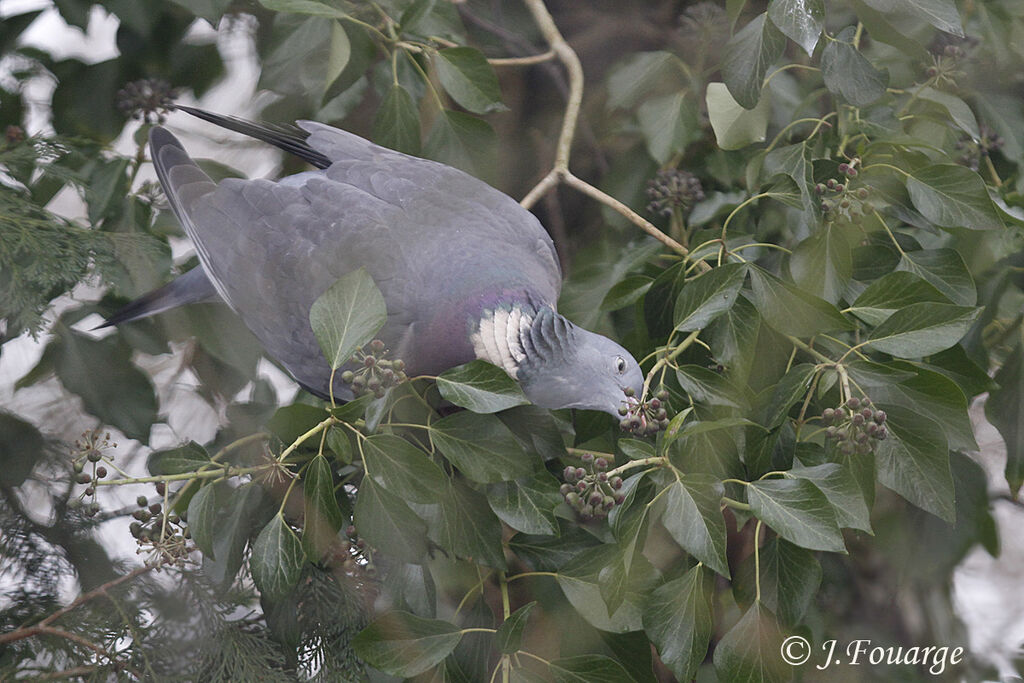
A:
<point x="550" y="553"/>
<point x="945" y="269"/>
<point x="942" y="14"/>
<point x="952" y="196"/>
<point x="187" y="458"/>
<point x="589" y="669"/>
<point x="798" y="511"/>
<point x="469" y="79"/>
<point x="848" y="73"/>
<point x="794" y="161"/>
<point x="462" y="141"/>
<point x="527" y="504"/>
<point x="790" y="578"/>
<point x="923" y="329"/>
<point x="840" y="486"/>
<point x="679" y="621"/>
<point x="403" y="469"/>
<point x="708" y="296"/>
<point x="397" y="124"/>
<point x="631" y="80"/>
<point x="747" y="57"/>
<point x="800" y="20"/>
<point x="322" y="518"/>
<point x="578" y="579"/>
<point x="749" y="652"/>
<point x="822" y="264"/>
<point x="312" y="7"/>
<point x="107" y="187"/>
<point x="21" y="447"/>
<point x="1005" y="408"/>
<point x="627" y="292"/>
<point x="386" y="522"/>
<point x="510" y="633"/>
<point x="709" y="387"/>
<point x="891" y="292"/>
<point x="734" y="126"/>
<point x="958" y="110"/>
<point x="634" y="449"/>
<point x="669" y="123"/>
<point x="202" y="518"/>
<point x="793" y="387"/>
<point x="792" y="311"/>
<point x="288" y="423"/>
<point x="914" y="462"/>
<point x="347" y="316"/>
<point x="693" y="517"/>
<point x="481" y="447"/>
<point x="403" y="644"/>
<point x="468" y="527"/>
<point x="481" y="387"/>
<point x="244" y="512"/>
<point x="277" y="558"/>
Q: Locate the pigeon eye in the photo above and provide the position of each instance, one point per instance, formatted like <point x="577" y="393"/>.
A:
<point x="620" y="364"/>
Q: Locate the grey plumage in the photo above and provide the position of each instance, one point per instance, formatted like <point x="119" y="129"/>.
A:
<point x="450" y="254"/>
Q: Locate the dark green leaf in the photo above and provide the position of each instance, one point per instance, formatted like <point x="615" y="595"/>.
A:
<point x="631" y="80"/>
<point x="669" y="123"/>
<point x="468" y="527"/>
<point x="708" y="386"/>
<point x="914" y="462"/>
<point x="747" y="57"/>
<point x="589" y="669"/>
<point x="679" y="622"/>
<point x="469" y="79"/>
<point x="942" y="14"/>
<point x="527" y="504"/>
<point x="749" y="652"/>
<point x="510" y="633"/>
<point x="107" y="187"/>
<point x="848" y="73"/>
<point x="840" y="486"/>
<point x="187" y="458"/>
<point x="626" y="292"/>
<point x="891" y="292"/>
<point x="462" y="141"/>
<point x="693" y="517"/>
<point x="403" y="469"/>
<point x="21" y="447"/>
<point x="957" y="109"/>
<point x="634" y="449"/>
<point x="386" y="522"/>
<point x="945" y="269"/>
<point x="793" y="387"/>
<point x="481" y="387"/>
<point x="202" y="518"/>
<point x="790" y="578"/>
<point x="798" y="511"/>
<point x="923" y="329"/>
<point x="481" y="447"/>
<point x="550" y="553"/>
<point x="347" y="316"/>
<point x="402" y="644"/>
<point x="288" y="423"/>
<point x="707" y="297"/>
<point x="822" y="264"/>
<point x="800" y="20"/>
<point x="952" y="196"/>
<point x="1005" y="408"/>
<point x="277" y="558"/>
<point x="579" y="581"/>
<point x="792" y="311"/>
<point x="322" y="518"/>
<point x="244" y="512"/>
<point x="397" y="124"/>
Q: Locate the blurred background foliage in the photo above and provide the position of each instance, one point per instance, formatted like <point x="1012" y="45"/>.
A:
<point x="728" y="126"/>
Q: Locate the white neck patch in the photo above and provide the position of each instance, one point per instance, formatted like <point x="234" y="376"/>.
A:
<point x="498" y="339"/>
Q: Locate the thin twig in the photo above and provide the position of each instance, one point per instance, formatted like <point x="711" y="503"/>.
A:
<point x="522" y="61"/>
<point x="40" y="630"/>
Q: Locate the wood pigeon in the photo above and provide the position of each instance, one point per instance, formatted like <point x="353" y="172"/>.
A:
<point x="465" y="271"/>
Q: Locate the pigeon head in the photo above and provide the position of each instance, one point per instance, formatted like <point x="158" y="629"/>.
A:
<point x="566" y="366"/>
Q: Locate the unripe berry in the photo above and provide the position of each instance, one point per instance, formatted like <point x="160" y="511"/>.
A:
<point x="623" y="410"/>
<point x="348" y="376"/>
<point x="369" y="361"/>
<point x="662" y="395"/>
<point x="101" y="472"/>
<point x="843" y="168"/>
<point x="819" y="189"/>
<point x="587" y="458"/>
<point x="881" y="433"/>
<point x="600" y="464"/>
<point x="398" y="365"/>
<point x="828" y="415"/>
<point x="851" y="172"/>
<point x="92" y="509"/>
<point x="602" y="477"/>
<point x="616" y="482"/>
<point x="142" y="501"/>
<point x="664" y="423"/>
<point x="846" y="448"/>
<point x="77" y="466"/>
<point x="581" y="486"/>
<point x="580" y="473"/>
<point x="94" y="456"/>
<point x="932" y="72"/>
<point x="376" y="346"/>
<point x="83" y="478"/>
<point x="161" y="488"/>
<point x="853" y="403"/>
<point x="350" y="531"/>
<point x="586" y="512"/>
<point x="858" y="419"/>
<point x="654" y="403"/>
<point x="840" y="187"/>
<point x="155" y="508"/>
<point x="867" y="413"/>
<point x="572" y="498"/>
<point x="569" y="474"/>
<point x="625" y="424"/>
<point x="595" y="499"/>
<point x="619" y="498"/>
<point x="831" y="183"/>
<point x="608" y="503"/>
<point x="862" y="193"/>
<point x="880" y="416"/>
<point x="90" y="491"/>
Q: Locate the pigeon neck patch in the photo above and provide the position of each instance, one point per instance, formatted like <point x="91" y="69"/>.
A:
<point x="498" y="339"/>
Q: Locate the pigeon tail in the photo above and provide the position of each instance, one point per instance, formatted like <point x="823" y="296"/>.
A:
<point x="190" y="288"/>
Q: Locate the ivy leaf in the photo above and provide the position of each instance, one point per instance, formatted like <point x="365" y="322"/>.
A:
<point x="679" y="622"/>
<point x="800" y="20"/>
<point x="734" y="126"/>
<point x="669" y="123"/>
<point x="708" y="296"/>
<point x="469" y="79"/>
<point x="312" y="7"/>
<point x="959" y="111"/>
<point x="942" y="14"/>
<point x="202" y="518"/>
<point x="790" y="577"/>
<point x="914" y="462"/>
<point x="842" y="490"/>
<point x="923" y="329"/>
<point x="385" y="521"/>
<point x="462" y="141"/>
<point x="187" y="458"/>
<point x="886" y="295"/>
<point x="402" y="468"/>
<point x="846" y="72"/>
<point x="749" y="652"/>
<point x="527" y="504"/>
<point x="277" y="558"/>
<point x="693" y="517"/>
<point x="347" y="315"/>
<point x="397" y="124"/>
<point x="589" y="669"/>
<point x="945" y="270"/>
<point x="579" y="580"/>
<point x="798" y="511"/>
<point x="952" y="196"/>
<point x="707" y="386"/>
<point x="627" y="292"/>
<point x="403" y="644"/>
<point x="793" y="386"/>
<point x="322" y="518"/>
<point x="632" y="79"/>
<point x="244" y="511"/>
<point x="747" y="57"/>
<point x="510" y="633"/>
<point x="468" y="527"/>
<point x="791" y="310"/>
<point x="480" y="387"/>
<point x="1005" y="408"/>
<point x="822" y="264"/>
<point x="481" y="447"/>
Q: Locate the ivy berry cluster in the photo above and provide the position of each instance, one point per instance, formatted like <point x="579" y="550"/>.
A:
<point x="375" y="374"/>
<point x="152" y="528"/>
<point x="843" y="201"/>
<point x="673" y="190"/>
<point x="88" y="452"/>
<point x="854" y="425"/>
<point x="589" y="490"/>
<point x="352" y="553"/>
<point x="644" y="418"/>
